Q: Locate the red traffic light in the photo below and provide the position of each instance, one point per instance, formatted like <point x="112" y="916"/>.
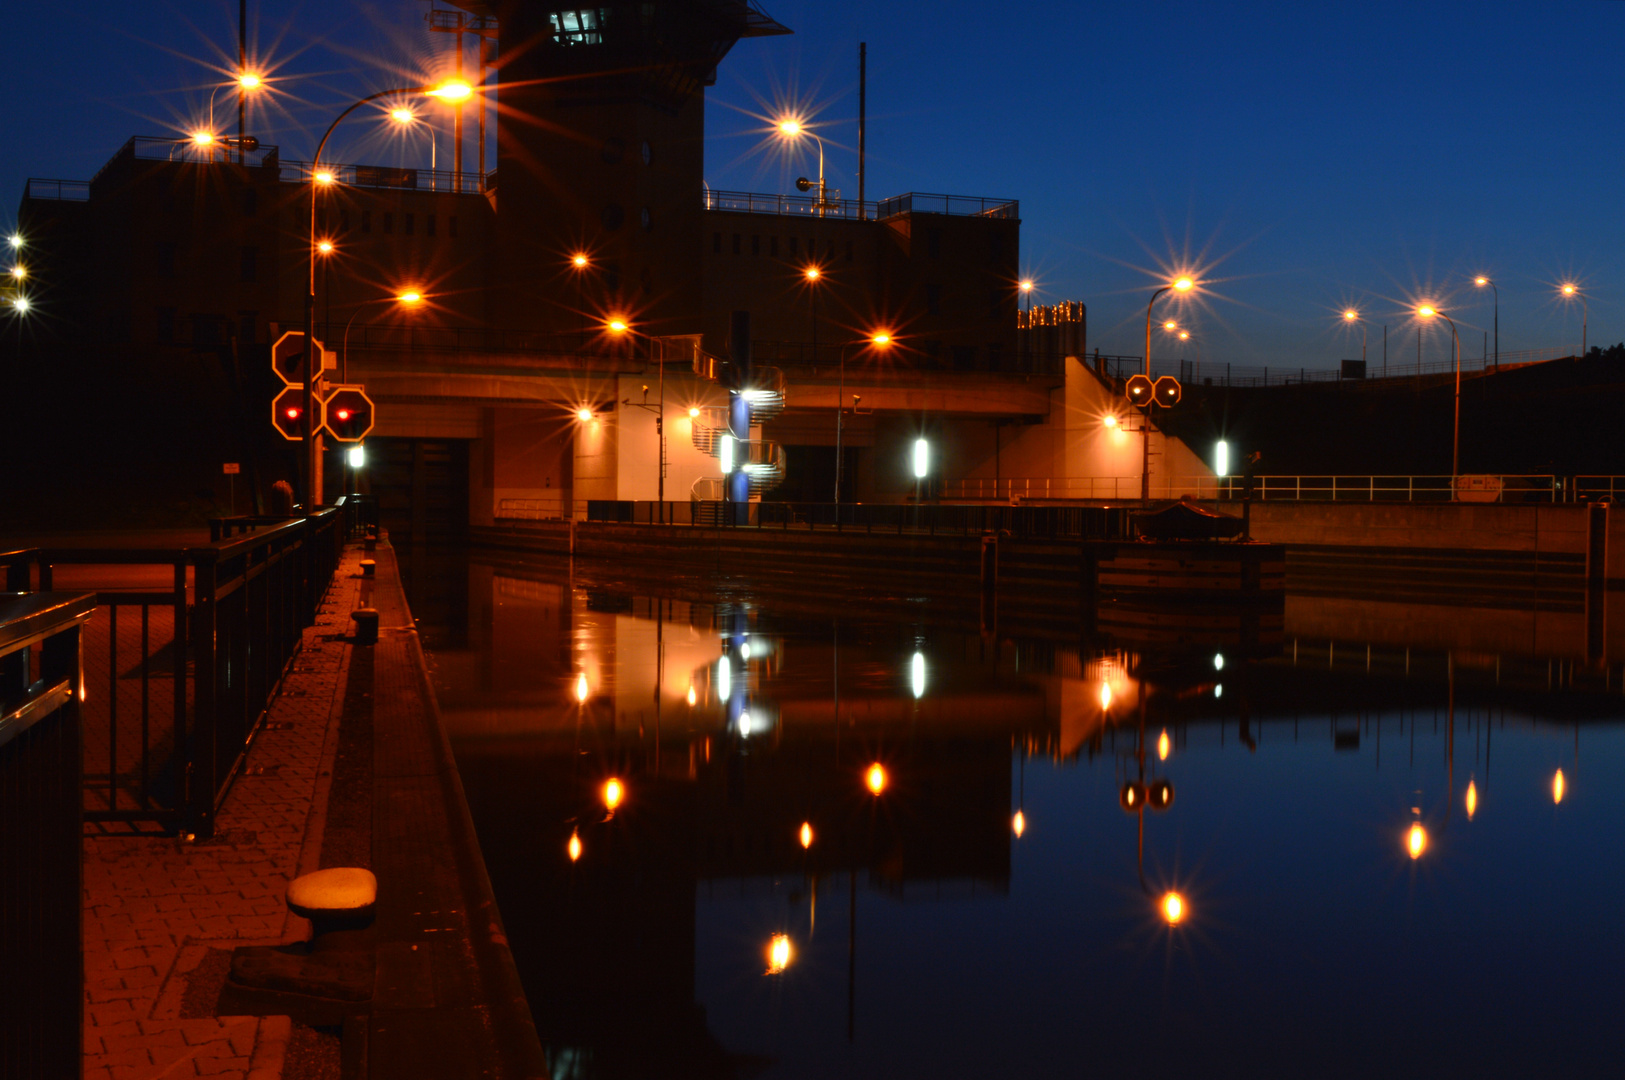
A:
<point x="1139" y="389"/>
<point x="1167" y="391"/>
<point x="288" y="413"/>
<point x="347" y="414"/>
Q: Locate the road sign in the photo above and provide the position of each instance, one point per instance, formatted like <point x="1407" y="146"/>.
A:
<point x="347" y="414"/>
<point x="288" y="412"/>
<point x="232" y="468"/>
<point x="288" y="357"/>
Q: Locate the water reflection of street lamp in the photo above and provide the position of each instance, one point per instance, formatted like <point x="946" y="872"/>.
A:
<point x="1472" y="799"/>
<point x="614" y="793"/>
<point x="1416" y="840"/>
<point x="875" y="778"/>
<point x="573" y="848"/>
<point x="1558" y="787"/>
<point x="806" y="835"/>
<point x="1173" y="908"/>
<point x="779" y="954"/>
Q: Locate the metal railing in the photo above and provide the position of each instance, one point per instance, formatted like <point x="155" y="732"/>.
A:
<point x="57" y="190"/>
<point x="178" y="678"/>
<point x="932" y="519"/>
<point x="909" y="355"/>
<point x="406" y="337"/>
<point x="1503" y="488"/>
<point x="747" y="202"/>
<point x="1197" y="372"/>
<point x="41" y="675"/>
<point x="387" y="177"/>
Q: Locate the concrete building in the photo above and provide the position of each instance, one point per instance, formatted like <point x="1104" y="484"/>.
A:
<point x="505" y="393"/>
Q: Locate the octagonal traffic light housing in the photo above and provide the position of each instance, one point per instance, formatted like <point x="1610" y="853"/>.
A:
<point x="1139" y="389"/>
<point x="288" y="412"/>
<point x="347" y="414"/>
<point x="288" y="357"/>
<point x="1167" y="391"/>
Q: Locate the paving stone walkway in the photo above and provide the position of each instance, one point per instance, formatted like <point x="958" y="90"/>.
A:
<point x="160" y="911"/>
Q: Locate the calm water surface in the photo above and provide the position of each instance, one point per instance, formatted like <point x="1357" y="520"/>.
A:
<point x="1395" y="851"/>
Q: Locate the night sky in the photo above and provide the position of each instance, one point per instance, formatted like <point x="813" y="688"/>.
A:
<point x="1301" y="158"/>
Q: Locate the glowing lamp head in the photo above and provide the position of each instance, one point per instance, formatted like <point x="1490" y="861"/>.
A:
<point x="1170" y="326"/>
<point x="291" y="412"/>
<point x="813" y="273"/>
<point x="1173" y="908"/>
<point x="779" y="954"/>
<point x="875" y="778"/>
<point x="402" y="115"/>
<point x="1027" y="286"/>
<point x="614" y="794"/>
<point x="1184" y="335"/>
<point x="617" y="326"/>
<point x="15" y="240"/>
<point x="882" y="339"/>
<point x="20" y="305"/>
<point x="578" y="261"/>
<point x="1109" y="420"/>
<point x="358" y="456"/>
<point x="790" y="127"/>
<point x="249" y="81"/>
<point x="1481" y="281"/>
<point x="582" y="690"/>
<point x="19" y="272"/>
<point x="1416" y="840"/>
<point x="324" y="176"/>
<point x="584" y="414"/>
<point x="343" y="414"/>
<point x="451" y="90"/>
<point x="1351" y="315"/>
<point x="1427" y="311"/>
<point x="693" y="412"/>
<point x="202" y="138"/>
<point x="325" y="247"/>
<point x="1184" y="284"/>
<point x="574" y="846"/>
<point x="1105" y="696"/>
<point x="1570" y="290"/>
<point x="409" y="298"/>
<point x="806" y="834"/>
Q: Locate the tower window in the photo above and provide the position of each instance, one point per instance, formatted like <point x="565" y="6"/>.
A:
<point x="578" y="26"/>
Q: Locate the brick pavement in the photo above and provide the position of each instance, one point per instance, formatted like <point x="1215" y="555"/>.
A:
<point x="158" y="911"/>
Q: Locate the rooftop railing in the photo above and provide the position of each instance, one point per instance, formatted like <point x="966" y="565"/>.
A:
<point x="1197" y="372"/>
<point x="57" y="190"/>
<point x="745" y="202"/>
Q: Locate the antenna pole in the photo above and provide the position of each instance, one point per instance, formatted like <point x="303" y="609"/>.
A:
<point x="863" y="95"/>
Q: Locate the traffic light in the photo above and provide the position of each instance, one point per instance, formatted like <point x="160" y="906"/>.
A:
<point x="288" y="413"/>
<point x="1139" y="389"/>
<point x="347" y="414"/>
<point x="1167" y="391"/>
<point x="288" y="357"/>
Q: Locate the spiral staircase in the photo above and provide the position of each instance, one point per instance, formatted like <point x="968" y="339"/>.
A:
<point x="760" y="459"/>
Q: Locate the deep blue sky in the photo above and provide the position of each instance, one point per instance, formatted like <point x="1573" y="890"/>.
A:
<point x="1303" y="157"/>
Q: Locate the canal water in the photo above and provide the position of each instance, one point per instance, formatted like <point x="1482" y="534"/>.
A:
<point x="735" y="834"/>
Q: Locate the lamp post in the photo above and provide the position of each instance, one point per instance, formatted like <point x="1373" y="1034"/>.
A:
<point x="879" y="341"/>
<point x="794" y="129"/>
<point x="813" y="275"/>
<point x="1482" y="281"/>
<point x="620" y="328"/>
<point x="448" y="91"/>
<point x="1183" y="284"/>
<point x="1571" y="290"/>
<point x="580" y="263"/>
<point x="407" y="299"/>
<point x="1427" y="311"/>
<point x="1353" y="316"/>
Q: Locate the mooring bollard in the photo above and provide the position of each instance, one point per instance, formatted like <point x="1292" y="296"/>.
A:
<point x="366" y="626"/>
<point x="371" y="539"/>
<point x="369" y="567"/>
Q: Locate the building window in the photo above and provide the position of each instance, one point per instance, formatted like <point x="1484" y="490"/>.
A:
<point x="995" y="305"/>
<point x="166" y="324"/>
<point x="428" y="224"/>
<point x="933" y="243"/>
<point x="933" y="299"/>
<point x="389" y="222"/>
<point x="366" y="221"/>
<point x="795" y="242"/>
<point x="451" y="225"/>
<point x="736" y="243"/>
<point x="716" y="243"/>
<point x="849" y="251"/>
<point x="206" y="331"/>
<point x="249" y="270"/>
<point x="251" y="202"/>
<point x="755" y="244"/>
<point x="578" y="26"/>
<point x="773" y="246"/>
<point x="246" y="321"/>
<point x="408" y="223"/>
<point x="166" y="259"/>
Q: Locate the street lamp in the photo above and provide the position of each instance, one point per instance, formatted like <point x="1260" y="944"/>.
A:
<point x="1182" y="284"/>
<point x="881" y="341"/>
<point x="408" y="299"/>
<point x="451" y="91"/>
<point x="1353" y="316"/>
<point x="1427" y="311"/>
<point x="1482" y="281"/>
<point x="793" y="129"/>
<point x="1571" y="290"/>
<point x="813" y="275"/>
<point x="619" y="327"/>
<point x="579" y="265"/>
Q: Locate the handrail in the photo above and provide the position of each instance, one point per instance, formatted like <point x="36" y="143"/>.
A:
<point x="1544" y="488"/>
<point x="915" y="202"/>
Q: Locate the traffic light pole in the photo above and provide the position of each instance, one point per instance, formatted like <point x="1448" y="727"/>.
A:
<point x="1145" y="459"/>
<point x="313" y="454"/>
